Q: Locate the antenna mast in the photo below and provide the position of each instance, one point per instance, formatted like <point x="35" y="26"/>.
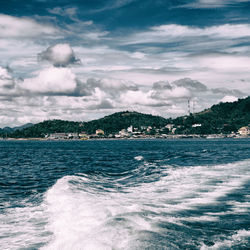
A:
<point x="188" y="106"/>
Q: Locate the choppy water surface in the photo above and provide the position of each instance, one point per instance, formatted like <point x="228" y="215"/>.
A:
<point x="149" y="194"/>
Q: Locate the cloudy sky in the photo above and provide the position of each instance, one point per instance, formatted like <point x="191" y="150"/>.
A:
<point x="81" y="60"/>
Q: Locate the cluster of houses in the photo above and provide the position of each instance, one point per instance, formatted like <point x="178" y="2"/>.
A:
<point x="143" y="132"/>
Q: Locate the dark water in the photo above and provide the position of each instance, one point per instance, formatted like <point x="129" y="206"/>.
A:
<point x="148" y="194"/>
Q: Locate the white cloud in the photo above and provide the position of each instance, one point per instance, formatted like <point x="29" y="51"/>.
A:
<point x="103" y="104"/>
<point x="170" y="32"/>
<point x="179" y="90"/>
<point x="210" y="54"/>
<point x="7" y="83"/>
<point x="115" y="4"/>
<point x="94" y="35"/>
<point x="6" y="120"/>
<point x="112" y="77"/>
<point x="135" y="99"/>
<point x="139" y="97"/>
<point x="138" y="55"/>
<point x="23" y="27"/>
<point x="6" y="80"/>
<point x="51" y="80"/>
<point x="199" y="4"/>
<point x="63" y="11"/>
<point x="173" y="93"/>
<point x="229" y="99"/>
<point x="53" y="94"/>
<point x="61" y="55"/>
<point x="223" y="62"/>
<point x="190" y="84"/>
<point x="20" y="54"/>
<point x="112" y="86"/>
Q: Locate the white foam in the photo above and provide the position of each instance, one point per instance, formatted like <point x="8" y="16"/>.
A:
<point x="23" y="227"/>
<point x="83" y="217"/>
<point x="239" y="238"/>
<point x="82" y="220"/>
<point x="80" y="216"/>
<point x="138" y="158"/>
<point x="239" y="207"/>
<point x="202" y="218"/>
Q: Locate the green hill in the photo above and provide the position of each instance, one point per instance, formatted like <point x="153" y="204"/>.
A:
<point x="118" y="121"/>
<point x="110" y="124"/>
<point x="220" y="118"/>
<point x="47" y="127"/>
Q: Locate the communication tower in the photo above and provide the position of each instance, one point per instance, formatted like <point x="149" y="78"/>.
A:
<point x="188" y="106"/>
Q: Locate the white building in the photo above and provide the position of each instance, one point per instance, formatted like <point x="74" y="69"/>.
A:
<point x="99" y="132"/>
<point x="123" y="132"/>
<point x="244" y="131"/>
<point x="196" y="125"/>
<point x="130" y="129"/>
<point x="169" y="127"/>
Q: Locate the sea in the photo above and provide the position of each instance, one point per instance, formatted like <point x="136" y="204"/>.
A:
<point x="125" y="194"/>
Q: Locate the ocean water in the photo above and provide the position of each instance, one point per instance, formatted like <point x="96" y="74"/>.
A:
<point x="128" y="194"/>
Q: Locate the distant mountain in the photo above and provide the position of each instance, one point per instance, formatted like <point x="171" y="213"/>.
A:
<point x="11" y="130"/>
<point x="7" y="130"/>
<point x="220" y="118"/>
<point x="27" y="125"/>
<point x="2" y="133"/>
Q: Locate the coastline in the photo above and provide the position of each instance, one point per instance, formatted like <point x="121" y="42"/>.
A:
<point x="171" y="137"/>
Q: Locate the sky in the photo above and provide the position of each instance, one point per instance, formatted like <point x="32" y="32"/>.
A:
<point x="84" y="59"/>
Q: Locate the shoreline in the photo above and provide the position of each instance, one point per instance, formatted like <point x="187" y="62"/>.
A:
<point x="176" y="137"/>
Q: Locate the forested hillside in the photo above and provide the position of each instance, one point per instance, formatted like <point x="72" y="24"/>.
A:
<point x="110" y="124"/>
<point x="118" y="121"/>
<point x="47" y="127"/>
<point x="221" y="118"/>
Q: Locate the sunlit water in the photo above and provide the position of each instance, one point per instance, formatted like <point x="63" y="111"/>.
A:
<point x="148" y="194"/>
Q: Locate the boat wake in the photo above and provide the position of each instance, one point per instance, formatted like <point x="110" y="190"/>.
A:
<point x="181" y="208"/>
<point x="150" y="207"/>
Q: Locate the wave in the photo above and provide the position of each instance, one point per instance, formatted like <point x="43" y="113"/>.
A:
<point x="239" y="240"/>
<point x="150" y="207"/>
<point x="96" y="212"/>
<point x="24" y="227"/>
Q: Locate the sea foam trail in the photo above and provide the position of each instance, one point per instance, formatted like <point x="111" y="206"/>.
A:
<point x="236" y="240"/>
<point x="24" y="227"/>
<point x="84" y="216"/>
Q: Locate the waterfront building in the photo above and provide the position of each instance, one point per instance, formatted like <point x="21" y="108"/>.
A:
<point x="99" y="132"/>
<point x="244" y="131"/>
